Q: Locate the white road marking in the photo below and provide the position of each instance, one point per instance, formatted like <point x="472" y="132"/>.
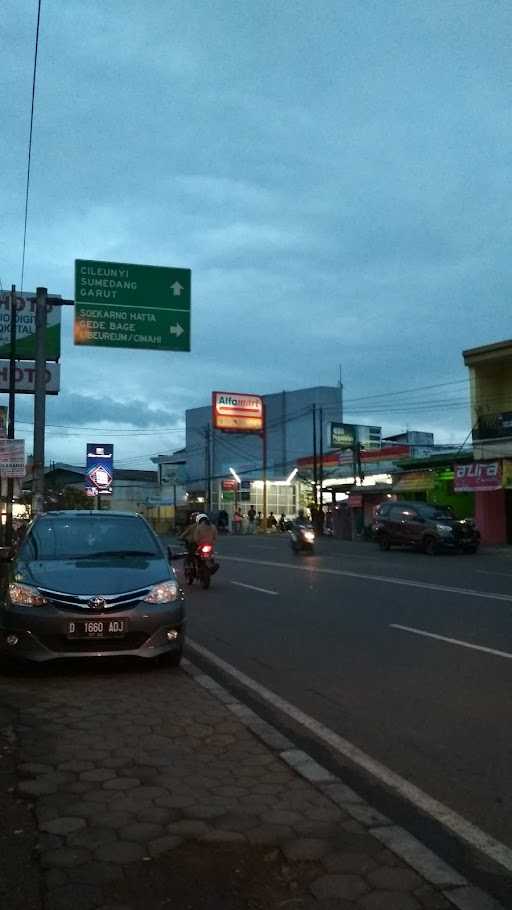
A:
<point x="464" y="829"/>
<point x="385" y="579"/>
<point x="487" y="572"/>
<point x="240" y="584"/>
<point x="451" y="641"/>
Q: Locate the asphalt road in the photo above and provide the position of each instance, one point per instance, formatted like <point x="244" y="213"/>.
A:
<point x="323" y="634"/>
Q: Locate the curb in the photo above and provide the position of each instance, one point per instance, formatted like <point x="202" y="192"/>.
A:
<point x="455" y="887"/>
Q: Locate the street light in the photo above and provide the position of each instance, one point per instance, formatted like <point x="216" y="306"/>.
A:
<point x="235" y="475"/>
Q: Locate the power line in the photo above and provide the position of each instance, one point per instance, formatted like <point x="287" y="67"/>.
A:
<point x="30" y="145"/>
<point x="423" y="388"/>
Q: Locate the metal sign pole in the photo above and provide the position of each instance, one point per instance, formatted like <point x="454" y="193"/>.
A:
<point x="39" y="403"/>
<point x="12" y="408"/>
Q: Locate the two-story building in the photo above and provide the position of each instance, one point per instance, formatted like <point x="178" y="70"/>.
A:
<point x="490" y="475"/>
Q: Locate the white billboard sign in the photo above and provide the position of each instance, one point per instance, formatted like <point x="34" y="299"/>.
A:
<point x="12" y="458"/>
<point x="25" y="375"/>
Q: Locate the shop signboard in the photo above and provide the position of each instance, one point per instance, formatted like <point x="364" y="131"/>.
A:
<point x="343" y="435"/>
<point x="229" y="485"/>
<point x="12" y="457"/>
<point x="25" y="377"/>
<point x="237" y="412"/>
<point x="99" y="470"/>
<point x="413" y="481"/>
<point x="26" y="326"/>
<point x="478" y="476"/>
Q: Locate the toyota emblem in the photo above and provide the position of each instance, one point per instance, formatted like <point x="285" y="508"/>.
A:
<point x="96" y="603"/>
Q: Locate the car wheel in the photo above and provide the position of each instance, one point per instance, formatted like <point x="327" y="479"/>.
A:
<point x="384" y="542"/>
<point x="430" y="546"/>
<point x="170" y="658"/>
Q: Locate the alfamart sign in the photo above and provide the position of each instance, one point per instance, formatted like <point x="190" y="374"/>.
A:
<point x="237" y="412"/>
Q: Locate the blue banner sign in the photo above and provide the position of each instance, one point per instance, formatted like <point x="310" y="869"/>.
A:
<point x="99" y="469"/>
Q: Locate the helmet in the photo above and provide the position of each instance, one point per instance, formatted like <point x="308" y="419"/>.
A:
<point x="201" y="517"/>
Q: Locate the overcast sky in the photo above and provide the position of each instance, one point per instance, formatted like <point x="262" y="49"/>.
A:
<point x="336" y="174"/>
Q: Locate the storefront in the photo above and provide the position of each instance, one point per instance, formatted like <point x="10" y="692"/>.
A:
<point x="491" y="484"/>
<point x="432" y="480"/>
<point x="352" y="491"/>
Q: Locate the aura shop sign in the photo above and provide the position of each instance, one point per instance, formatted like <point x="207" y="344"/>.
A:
<point x="99" y="469"/>
<point x="478" y="477"/>
<point x="237" y="412"/>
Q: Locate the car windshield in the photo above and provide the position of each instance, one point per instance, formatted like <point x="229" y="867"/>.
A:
<point x="437" y="512"/>
<point x="89" y="536"/>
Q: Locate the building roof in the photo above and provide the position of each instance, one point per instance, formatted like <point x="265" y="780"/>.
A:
<point x="436" y="461"/>
<point x="136" y="476"/>
<point x="497" y="351"/>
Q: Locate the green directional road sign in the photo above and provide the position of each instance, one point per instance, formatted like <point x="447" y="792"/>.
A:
<point x="118" y="305"/>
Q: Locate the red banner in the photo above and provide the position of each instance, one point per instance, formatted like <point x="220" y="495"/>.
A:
<point x="478" y="476"/>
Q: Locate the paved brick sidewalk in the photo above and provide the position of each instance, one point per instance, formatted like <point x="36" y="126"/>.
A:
<point x="131" y="771"/>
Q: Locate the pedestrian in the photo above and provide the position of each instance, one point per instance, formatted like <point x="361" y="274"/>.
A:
<point x="236" y="522"/>
<point x="259" y="520"/>
<point x="272" y="522"/>
<point x="282" y="523"/>
<point x="251" y="520"/>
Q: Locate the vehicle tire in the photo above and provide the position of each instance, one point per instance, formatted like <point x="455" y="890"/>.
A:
<point x="430" y="546"/>
<point x="384" y="542"/>
<point x="170" y="658"/>
<point x="205" y="579"/>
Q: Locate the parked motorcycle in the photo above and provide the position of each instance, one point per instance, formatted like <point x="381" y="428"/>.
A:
<point x="200" y="565"/>
<point x="302" y="539"/>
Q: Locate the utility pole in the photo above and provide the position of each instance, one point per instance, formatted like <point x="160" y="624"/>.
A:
<point x="12" y="409"/>
<point x="321" y="466"/>
<point x="315" y="464"/>
<point x="208" y="469"/>
<point x="39" y="403"/>
<point x="264" y="458"/>
<point x="340" y="386"/>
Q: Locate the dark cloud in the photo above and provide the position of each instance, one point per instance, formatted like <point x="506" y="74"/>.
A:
<point x="336" y="178"/>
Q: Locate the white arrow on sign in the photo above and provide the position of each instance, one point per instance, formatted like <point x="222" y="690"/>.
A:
<point x="177" y="288"/>
<point x="176" y="330"/>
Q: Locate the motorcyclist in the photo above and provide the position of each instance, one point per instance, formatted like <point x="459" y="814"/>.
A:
<point x="205" y="532"/>
<point x="188" y="533"/>
<point x="301" y="521"/>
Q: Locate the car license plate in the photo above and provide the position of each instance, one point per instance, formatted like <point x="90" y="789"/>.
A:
<point x="97" y="628"/>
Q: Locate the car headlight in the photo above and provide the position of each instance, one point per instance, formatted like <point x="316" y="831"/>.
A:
<point x="25" y="596"/>
<point x="309" y="536"/>
<point x="444" y="530"/>
<point x="162" y="593"/>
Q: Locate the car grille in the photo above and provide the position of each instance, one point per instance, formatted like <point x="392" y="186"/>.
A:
<point x="59" y="643"/>
<point x="119" y="602"/>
